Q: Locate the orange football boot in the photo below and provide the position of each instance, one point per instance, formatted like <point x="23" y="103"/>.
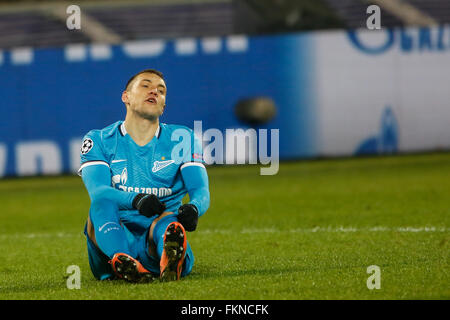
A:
<point x="129" y="269"/>
<point x="172" y="259"/>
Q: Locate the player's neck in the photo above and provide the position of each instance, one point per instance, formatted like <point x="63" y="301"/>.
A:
<point x="141" y="130"/>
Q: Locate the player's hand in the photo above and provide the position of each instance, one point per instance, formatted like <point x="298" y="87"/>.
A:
<point x="148" y="204"/>
<point x="188" y="216"/>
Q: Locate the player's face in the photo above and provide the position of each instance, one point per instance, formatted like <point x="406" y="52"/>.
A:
<point x="147" y="96"/>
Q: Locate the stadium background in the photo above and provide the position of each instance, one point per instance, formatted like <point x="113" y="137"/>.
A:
<point x="332" y="87"/>
<point x="380" y="92"/>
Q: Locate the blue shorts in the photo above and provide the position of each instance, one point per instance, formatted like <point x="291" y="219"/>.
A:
<point x="136" y="228"/>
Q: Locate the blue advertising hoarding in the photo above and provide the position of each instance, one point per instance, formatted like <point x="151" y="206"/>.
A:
<point x="54" y="96"/>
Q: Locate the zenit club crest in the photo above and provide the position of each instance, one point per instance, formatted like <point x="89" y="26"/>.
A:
<point x="158" y="165"/>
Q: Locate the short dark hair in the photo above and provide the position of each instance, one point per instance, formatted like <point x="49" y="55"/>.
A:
<point x="158" y="73"/>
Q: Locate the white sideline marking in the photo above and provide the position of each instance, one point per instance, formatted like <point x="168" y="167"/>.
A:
<point x="250" y="231"/>
<point x="328" y="229"/>
<point x="40" y="235"/>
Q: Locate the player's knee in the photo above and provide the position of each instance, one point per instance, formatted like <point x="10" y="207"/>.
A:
<point x="100" y="205"/>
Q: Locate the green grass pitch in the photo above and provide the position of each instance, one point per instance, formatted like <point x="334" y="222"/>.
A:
<point x="309" y="232"/>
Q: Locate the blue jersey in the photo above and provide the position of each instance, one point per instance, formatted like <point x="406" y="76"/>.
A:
<point x="153" y="169"/>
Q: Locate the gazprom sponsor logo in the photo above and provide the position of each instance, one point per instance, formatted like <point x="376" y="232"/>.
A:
<point x="159" y="192"/>
<point x="407" y="40"/>
<point x="119" y="181"/>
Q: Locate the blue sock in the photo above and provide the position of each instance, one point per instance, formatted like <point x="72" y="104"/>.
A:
<point x="109" y="233"/>
<point x="158" y="232"/>
<point x="158" y="238"/>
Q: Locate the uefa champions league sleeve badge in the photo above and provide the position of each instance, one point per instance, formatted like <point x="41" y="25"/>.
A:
<point x="87" y="145"/>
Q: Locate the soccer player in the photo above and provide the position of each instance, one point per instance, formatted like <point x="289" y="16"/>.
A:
<point x="136" y="228"/>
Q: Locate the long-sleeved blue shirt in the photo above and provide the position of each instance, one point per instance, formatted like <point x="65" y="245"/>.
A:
<point x="170" y="166"/>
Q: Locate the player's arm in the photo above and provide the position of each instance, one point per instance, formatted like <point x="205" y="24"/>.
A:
<point x="97" y="179"/>
<point x="195" y="179"/>
<point x="96" y="176"/>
